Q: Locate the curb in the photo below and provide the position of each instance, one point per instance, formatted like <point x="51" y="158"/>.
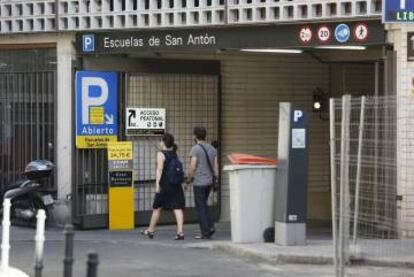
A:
<point x="280" y="258"/>
<point x="272" y="259"/>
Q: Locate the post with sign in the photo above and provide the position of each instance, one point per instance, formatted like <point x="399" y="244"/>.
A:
<point x="292" y="176"/>
<point x="96" y="109"/>
<point x="121" y="186"/>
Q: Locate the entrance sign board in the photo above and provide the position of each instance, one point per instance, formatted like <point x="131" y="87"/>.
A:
<point x="121" y="185"/>
<point x="96" y="109"/>
<point x="145" y="120"/>
<point x="235" y="37"/>
<point x="398" y="11"/>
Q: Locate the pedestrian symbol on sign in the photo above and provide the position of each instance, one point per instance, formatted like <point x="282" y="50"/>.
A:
<point x="361" y="32"/>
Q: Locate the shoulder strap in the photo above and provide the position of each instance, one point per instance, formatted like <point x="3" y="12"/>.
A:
<point x="208" y="159"/>
<point x="167" y="157"/>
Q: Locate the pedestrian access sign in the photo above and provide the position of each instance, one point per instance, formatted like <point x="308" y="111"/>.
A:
<point x="398" y="11"/>
<point x="144" y="121"/>
<point x="96" y="109"/>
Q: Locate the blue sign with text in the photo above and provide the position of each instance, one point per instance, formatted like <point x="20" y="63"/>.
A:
<point x="96" y="108"/>
<point x="398" y="11"/>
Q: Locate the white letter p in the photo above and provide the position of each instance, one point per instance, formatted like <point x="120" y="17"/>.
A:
<point x="297" y="114"/>
<point x="88" y="101"/>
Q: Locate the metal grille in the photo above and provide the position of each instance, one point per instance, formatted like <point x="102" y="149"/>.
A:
<point x="27" y="111"/>
<point x="189" y="100"/>
<point x="372" y="183"/>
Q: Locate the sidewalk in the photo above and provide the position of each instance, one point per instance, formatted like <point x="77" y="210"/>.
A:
<point x="318" y="251"/>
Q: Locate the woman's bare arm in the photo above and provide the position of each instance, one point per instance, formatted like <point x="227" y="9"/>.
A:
<point x="160" y="167"/>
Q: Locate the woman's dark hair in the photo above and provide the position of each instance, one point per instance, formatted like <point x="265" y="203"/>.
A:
<point x="168" y="140"/>
<point x="200" y="133"/>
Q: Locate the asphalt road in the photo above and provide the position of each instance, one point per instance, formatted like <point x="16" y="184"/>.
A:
<point x="131" y="255"/>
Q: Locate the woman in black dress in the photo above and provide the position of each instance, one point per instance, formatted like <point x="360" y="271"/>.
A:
<point x="167" y="196"/>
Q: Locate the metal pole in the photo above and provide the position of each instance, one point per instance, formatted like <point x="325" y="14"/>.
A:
<point x="40" y="241"/>
<point x="92" y="265"/>
<point x="358" y="170"/>
<point x="376" y="139"/>
<point x="333" y="177"/>
<point x="68" y="260"/>
<point x="343" y="183"/>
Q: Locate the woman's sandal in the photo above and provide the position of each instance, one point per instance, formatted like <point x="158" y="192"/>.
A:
<point x="179" y="236"/>
<point x="147" y="233"/>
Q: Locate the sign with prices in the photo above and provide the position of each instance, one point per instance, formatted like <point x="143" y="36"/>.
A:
<point x="121" y="185"/>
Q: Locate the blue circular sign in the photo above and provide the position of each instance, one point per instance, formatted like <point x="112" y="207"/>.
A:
<point x="342" y="33"/>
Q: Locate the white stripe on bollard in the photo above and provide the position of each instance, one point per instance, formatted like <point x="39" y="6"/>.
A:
<point x="40" y="241"/>
<point x="5" y="243"/>
<point x="5" y="270"/>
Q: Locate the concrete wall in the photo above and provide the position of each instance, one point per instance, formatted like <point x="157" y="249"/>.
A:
<point x="254" y="84"/>
<point x="397" y="35"/>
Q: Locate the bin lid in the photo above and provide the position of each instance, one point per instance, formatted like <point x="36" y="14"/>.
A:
<point x="234" y="167"/>
<point x="245" y="159"/>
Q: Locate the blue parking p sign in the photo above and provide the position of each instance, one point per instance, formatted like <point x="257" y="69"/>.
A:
<point x="88" y="43"/>
<point x="398" y="11"/>
<point x="96" y="108"/>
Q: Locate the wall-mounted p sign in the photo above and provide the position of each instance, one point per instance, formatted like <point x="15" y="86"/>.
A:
<point x="297" y="115"/>
<point x="96" y="108"/>
<point x="88" y="43"/>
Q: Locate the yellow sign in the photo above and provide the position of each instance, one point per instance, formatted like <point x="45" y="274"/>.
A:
<point x="121" y="186"/>
<point x="97" y="115"/>
<point x="100" y="142"/>
<point x="120" y="150"/>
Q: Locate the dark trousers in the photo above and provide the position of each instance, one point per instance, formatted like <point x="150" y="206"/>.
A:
<point x="201" y="194"/>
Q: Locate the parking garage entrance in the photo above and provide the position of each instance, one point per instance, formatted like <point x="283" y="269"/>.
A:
<point x="230" y="80"/>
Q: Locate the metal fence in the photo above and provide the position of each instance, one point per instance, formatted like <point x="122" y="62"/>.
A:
<point x="372" y="181"/>
<point x="27" y="110"/>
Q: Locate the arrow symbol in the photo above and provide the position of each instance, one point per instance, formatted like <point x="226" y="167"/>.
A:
<point x="402" y="4"/>
<point x="132" y="114"/>
<point x="109" y="119"/>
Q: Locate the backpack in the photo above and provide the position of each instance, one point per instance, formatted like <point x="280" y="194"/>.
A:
<point x="174" y="171"/>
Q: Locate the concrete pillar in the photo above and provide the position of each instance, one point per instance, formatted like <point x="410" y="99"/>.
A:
<point x="65" y="53"/>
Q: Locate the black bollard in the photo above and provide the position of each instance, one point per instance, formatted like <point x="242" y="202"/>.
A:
<point x="68" y="260"/>
<point x="38" y="268"/>
<point x="92" y="265"/>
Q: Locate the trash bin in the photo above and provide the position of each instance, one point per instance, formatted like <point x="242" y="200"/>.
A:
<point x="252" y="189"/>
